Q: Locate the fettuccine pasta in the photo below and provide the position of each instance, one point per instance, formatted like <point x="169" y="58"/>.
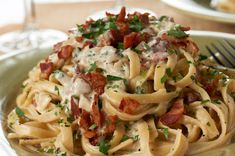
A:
<point x="134" y="86"/>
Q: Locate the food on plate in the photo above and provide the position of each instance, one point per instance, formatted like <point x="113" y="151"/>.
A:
<point x="125" y="85"/>
<point x="224" y="5"/>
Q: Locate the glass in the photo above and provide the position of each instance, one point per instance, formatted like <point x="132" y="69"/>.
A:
<point x="116" y="9"/>
<point x="30" y="36"/>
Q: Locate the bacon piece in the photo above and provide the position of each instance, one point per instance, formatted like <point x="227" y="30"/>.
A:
<point x="74" y="107"/>
<point x="144" y="18"/>
<point x="175" y="113"/>
<point x="109" y="129"/>
<point x="88" y="43"/>
<point x="131" y="40"/>
<point x="109" y="14"/>
<point x="97" y="114"/>
<point x="46" y="69"/>
<point x="112" y="118"/>
<point x="128" y="105"/>
<point x="57" y="47"/>
<point x="123" y="28"/>
<point x="185" y="28"/>
<point x="85" y="120"/>
<point x="79" y="38"/>
<point x="65" y="52"/>
<point x="90" y="134"/>
<point x="96" y="80"/>
<point x="122" y="14"/>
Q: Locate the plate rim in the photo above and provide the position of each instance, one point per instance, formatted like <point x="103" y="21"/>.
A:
<point x="213" y="16"/>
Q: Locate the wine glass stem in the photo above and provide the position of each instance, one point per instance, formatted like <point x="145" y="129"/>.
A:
<point x="30" y="16"/>
<point x="119" y="3"/>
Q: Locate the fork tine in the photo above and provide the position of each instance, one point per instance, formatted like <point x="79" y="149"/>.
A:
<point x="230" y="44"/>
<point x="222" y="54"/>
<point x="214" y="57"/>
<point x="226" y="49"/>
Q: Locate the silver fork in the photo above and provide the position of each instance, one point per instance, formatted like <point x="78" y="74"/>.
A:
<point x="223" y="53"/>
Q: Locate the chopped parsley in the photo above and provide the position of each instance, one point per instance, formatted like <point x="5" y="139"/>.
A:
<point x="146" y="46"/>
<point x="139" y="90"/>
<point x="162" y="18"/>
<point x="163" y="79"/>
<point x="166" y="133"/>
<point x="124" y="138"/>
<point x="111" y="78"/>
<point x="19" y="112"/>
<point x="92" y="67"/>
<point x="177" y="32"/>
<point x="168" y="71"/>
<point x="217" y="101"/>
<point x="205" y="101"/>
<point x="104" y="147"/>
<point x="93" y="126"/>
<point x="135" y="24"/>
<point x="136" y="138"/>
<point x="189" y="62"/>
<point x="202" y="57"/>
<point x="57" y="90"/>
<point x="120" y="45"/>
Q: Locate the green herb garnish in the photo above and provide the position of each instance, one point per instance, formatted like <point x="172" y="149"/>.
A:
<point x="19" y="112"/>
<point x="57" y="90"/>
<point x="146" y="46"/>
<point x="205" y="101"/>
<point x="104" y="147"/>
<point x="93" y="126"/>
<point x="177" y="32"/>
<point x="202" y="57"/>
<point x="124" y="138"/>
<point x="166" y="133"/>
<point x="171" y="51"/>
<point x="162" y="18"/>
<point x="139" y="90"/>
<point x="168" y="71"/>
<point x="135" y="24"/>
<point x="163" y="79"/>
<point x="218" y="102"/>
<point x="92" y="67"/>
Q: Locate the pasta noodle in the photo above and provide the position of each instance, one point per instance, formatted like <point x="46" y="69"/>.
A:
<point x="134" y="85"/>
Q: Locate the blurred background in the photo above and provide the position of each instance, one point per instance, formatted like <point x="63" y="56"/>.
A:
<point x="64" y="14"/>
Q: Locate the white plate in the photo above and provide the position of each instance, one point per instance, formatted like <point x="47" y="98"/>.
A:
<point x="201" y="9"/>
<point x="14" y="69"/>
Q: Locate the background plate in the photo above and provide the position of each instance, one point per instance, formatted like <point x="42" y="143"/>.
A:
<point x="201" y="9"/>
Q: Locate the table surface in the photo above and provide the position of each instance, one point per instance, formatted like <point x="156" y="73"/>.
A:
<point x="63" y="16"/>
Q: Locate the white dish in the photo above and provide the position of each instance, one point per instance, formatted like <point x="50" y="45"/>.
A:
<point x="201" y="9"/>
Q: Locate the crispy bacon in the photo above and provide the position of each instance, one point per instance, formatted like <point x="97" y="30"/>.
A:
<point x="185" y="28"/>
<point x="122" y="14"/>
<point x="97" y="114"/>
<point x="109" y="129"/>
<point x="128" y="105"/>
<point x="79" y="38"/>
<point x="89" y="44"/>
<point x="85" y="121"/>
<point x="57" y="47"/>
<point x="46" y="69"/>
<point x="96" y="80"/>
<point x="90" y="134"/>
<point x="123" y="28"/>
<point x="65" y="52"/>
<point x="175" y="113"/>
<point x="112" y="118"/>
<point x="144" y="18"/>
<point x="109" y="14"/>
<point x="185" y="43"/>
<point x="74" y="107"/>
<point x="131" y="40"/>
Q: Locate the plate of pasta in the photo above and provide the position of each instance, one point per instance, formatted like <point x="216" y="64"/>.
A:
<point x="122" y="85"/>
<point x="215" y="10"/>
